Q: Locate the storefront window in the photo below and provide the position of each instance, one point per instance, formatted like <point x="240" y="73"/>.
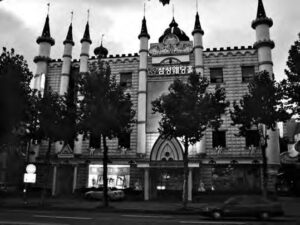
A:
<point x="118" y="176"/>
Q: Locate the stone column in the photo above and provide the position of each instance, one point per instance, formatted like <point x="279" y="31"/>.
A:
<point x="146" y="184"/>
<point x="190" y="184"/>
<point x="74" y="178"/>
<point x="54" y="180"/>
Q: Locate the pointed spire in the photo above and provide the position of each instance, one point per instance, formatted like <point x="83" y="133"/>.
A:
<point x="86" y="35"/>
<point x="173" y="23"/>
<point x="69" y="38"/>
<point x="197" y="27"/>
<point x="261" y="16"/>
<point x="261" y="13"/>
<point x="46" y="37"/>
<point x="144" y="31"/>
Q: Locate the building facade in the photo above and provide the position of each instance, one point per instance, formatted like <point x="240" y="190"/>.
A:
<point x="142" y="160"/>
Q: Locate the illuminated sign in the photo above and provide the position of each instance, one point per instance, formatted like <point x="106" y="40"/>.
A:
<point x="170" y="70"/>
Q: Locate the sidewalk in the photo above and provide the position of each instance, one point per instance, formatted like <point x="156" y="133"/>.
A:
<point x="290" y="205"/>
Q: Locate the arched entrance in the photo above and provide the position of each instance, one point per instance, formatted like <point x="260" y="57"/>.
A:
<point x="166" y="169"/>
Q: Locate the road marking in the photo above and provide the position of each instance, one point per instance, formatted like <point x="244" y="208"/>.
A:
<point x="148" y="216"/>
<point x="63" y="217"/>
<point x="29" y="223"/>
<point x="212" y="222"/>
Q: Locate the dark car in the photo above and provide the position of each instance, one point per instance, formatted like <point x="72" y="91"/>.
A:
<point x="245" y="206"/>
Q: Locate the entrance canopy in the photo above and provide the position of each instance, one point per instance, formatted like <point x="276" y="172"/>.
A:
<point x="166" y="150"/>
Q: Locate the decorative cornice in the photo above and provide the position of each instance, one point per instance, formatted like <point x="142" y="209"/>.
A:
<point x="65" y="75"/>
<point x="199" y="66"/>
<point x="41" y="59"/>
<point x="264" y="43"/>
<point x="143" y="50"/>
<point x="141" y="122"/>
<point x="198" y="46"/>
<point x="68" y="42"/>
<point x="85" y="40"/>
<point x="143" y="70"/>
<point x="84" y="54"/>
<point x="49" y="40"/>
<point x="265" y="63"/>
<point x="258" y="21"/>
<point x="67" y="56"/>
<point x="142" y="92"/>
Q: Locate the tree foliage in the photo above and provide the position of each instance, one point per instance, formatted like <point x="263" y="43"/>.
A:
<point x="188" y="109"/>
<point x="15" y="97"/>
<point x="261" y="105"/>
<point x="291" y="85"/>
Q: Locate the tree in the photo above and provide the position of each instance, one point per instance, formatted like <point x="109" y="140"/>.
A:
<point x="48" y="123"/>
<point x="187" y="111"/>
<point x="104" y="109"/>
<point x="260" y="108"/>
<point x="291" y="85"/>
<point x="15" y="98"/>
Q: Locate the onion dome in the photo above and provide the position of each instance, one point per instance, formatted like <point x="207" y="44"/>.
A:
<point x="69" y="38"/>
<point x="174" y="29"/>
<point x="144" y="31"/>
<point x="86" y="35"/>
<point x="101" y="52"/>
<point x="261" y="17"/>
<point x="46" y="37"/>
<point x="197" y="27"/>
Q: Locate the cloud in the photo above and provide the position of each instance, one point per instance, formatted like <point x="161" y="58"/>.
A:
<point x="14" y="34"/>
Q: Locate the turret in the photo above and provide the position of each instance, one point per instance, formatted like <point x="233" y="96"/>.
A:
<point x="142" y="94"/>
<point x="85" y="49"/>
<point x="199" y="67"/>
<point x="263" y="44"/>
<point x="67" y="57"/>
<point x="198" y="45"/>
<point x="45" y="42"/>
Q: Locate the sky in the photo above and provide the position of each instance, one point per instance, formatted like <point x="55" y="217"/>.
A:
<point x="226" y="23"/>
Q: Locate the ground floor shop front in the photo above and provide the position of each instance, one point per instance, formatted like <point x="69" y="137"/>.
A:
<point x="155" y="180"/>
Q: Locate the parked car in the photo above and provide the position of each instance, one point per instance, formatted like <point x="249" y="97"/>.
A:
<point x="114" y="194"/>
<point x="245" y="206"/>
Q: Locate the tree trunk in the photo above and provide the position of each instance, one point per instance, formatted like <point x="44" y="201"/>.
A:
<point x="46" y="178"/>
<point x="263" y="145"/>
<point x="265" y="171"/>
<point x="105" y="159"/>
<point x="185" y="174"/>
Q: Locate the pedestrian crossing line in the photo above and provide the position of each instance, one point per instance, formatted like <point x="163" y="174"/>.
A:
<point x="212" y="222"/>
<point x="147" y="216"/>
<point x="63" y="217"/>
<point x="29" y="223"/>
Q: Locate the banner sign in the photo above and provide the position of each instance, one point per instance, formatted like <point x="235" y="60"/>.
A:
<point x="170" y="70"/>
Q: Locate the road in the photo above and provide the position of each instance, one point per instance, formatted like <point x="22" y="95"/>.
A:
<point x="36" y="217"/>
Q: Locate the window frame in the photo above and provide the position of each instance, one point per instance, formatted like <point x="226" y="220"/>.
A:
<point x="126" y="81"/>
<point x="247" y="78"/>
<point x="214" y="144"/>
<point x="214" y="80"/>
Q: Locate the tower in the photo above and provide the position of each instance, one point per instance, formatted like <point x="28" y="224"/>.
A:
<point x="142" y="89"/>
<point x="264" y="46"/>
<point x="199" y="66"/>
<point x="85" y="49"/>
<point x="66" y="66"/>
<point x="45" y="41"/>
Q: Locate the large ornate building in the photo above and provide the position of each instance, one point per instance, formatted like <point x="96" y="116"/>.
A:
<point x="143" y="160"/>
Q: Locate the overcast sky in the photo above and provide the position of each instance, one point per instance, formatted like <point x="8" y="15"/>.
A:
<point x="225" y="22"/>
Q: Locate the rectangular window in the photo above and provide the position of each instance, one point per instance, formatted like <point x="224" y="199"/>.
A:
<point x="124" y="140"/>
<point x="247" y="73"/>
<point x="252" y="138"/>
<point x="219" y="139"/>
<point x="126" y="80"/>
<point x="216" y="75"/>
<point x="95" y="141"/>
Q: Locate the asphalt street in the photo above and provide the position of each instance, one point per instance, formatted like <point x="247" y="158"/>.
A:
<point x="36" y="217"/>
